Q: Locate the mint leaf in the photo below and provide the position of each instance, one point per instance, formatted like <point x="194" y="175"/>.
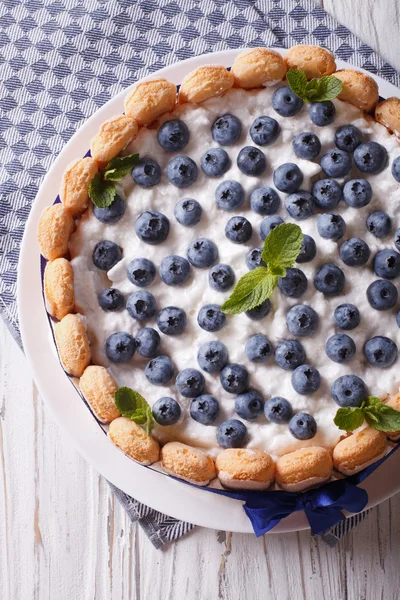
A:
<point x="120" y="166"/>
<point x="349" y="419"/>
<point x="282" y="246"/>
<point x="316" y="90"/>
<point x="312" y="89"/>
<point x="101" y="193"/>
<point x="297" y="81"/>
<point x="328" y="88"/>
<point x="134" y="407"/>
<point x="372" y="401"/>
<point x="383" y="418"/>
<point x="250" y="291"/>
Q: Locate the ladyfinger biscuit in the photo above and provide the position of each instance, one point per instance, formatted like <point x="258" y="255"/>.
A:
<point x="150" y="99"/>
<point x="303" y="468"/>
<point x="75" y="185"/>
<point x="394" y="402"/>
<point x="245" y="469"/>
<point x="112" y="138"/>
<point x="359" y="450"/>
<point x="358" y="89"/>
<point x="73" y="344"/>
<point x="258" y="67"/>
<point x="59" y="288"/>
<point x="98" y="388"/>
<point x="134" y="441"/>
<point x="388" y="113"/>
<point x="54" y="230"/>
<point x="313" y="60"/>
<point x="205" y="82"/>
<point x="185" y="462"/>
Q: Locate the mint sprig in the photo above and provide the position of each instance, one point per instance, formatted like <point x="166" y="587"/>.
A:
<point x="281" y="248"/>
<point x="102" y="193"/>
<point x="120" y="166"/>
<point x="378" y="415"/>
<point x="134" y="407"/>
<point x="316" y="90"/>
<point x="102" y="190"/>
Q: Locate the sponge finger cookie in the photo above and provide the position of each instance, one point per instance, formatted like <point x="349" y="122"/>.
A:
<point x="54" y="230"/>
<point x="59" y="288"/>
<point x="245" y="469"/>
<point x="359" y="450"/>
<point x="185" y="462"/>
<point x="205" y="82"/>
<point x="313" y="60"/>
<point x="113" y="137"/>
<point x="388" y="114"/>
<point x="258" y="67"/>
<point x="358" y="89"/>
<point x="98" y="388"/>
<point x="134" y="441"/>
<point x="303" y="468"/>
<point x="150" y="99"/>
<point x="73" y="344"/>
<point x="75" y="185"/>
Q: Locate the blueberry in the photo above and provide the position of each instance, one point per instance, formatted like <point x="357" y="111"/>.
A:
<point x="254" y="260"/>
<point x="190" y="383"/>
<point x="349" y="391"/>
<point x="120" y="347"/>
<point x="397" y="239"/>
<point x="308" y="250"/>
<point x="106" y="254"/>
<point x="232" y="434"/>
<point x="212" y="357"/>
<point x="302" y="320"/>
<point x="146" y="173"/>
<point x="264" y="131"/>
<point x="234" y="378"/>
<point x="215" y="162"/>
<point x="147" y="342"/>
<point x="159" y="370"/>
<point x="357" y="193"/>
<point x="181" y="171"/>
<point x="347" y="316"/>
<point x="249" y="405"/>
<point x="285" y="102"/>
<point x="306" y="145"/>
<point x="111" y="299"/>
<point x="141" y="305"/>
<point x="289" y="354"/>
<point x="210" y="317"/>
<point x="278" y="410"/>
<point x="370" y="157"/>
<point x="380" y="352"/>
<point x="331" y="226"/>
<point x="294" y="284"/>
<point x="188" y="212"/>
<point x="348" y="137"/>
<point x="387" y="264"/>
<point x="265" y="201"/>
<point x="166" y="411"/>
<point x="306" y="380"/>
<point x="354" y="252"/>
<point x="152" y="227"/>
<point x="340" y="348"/>
<point x="300" y="205"/>
<point x="379" y="224"/>
<point x="229" y="195"/>
<point x="302" y="426"/>
<point x="258" y="348"/>
<point x="382" y="294"/>
<point x="221" y="277"/>
<point x="202" y="253"/>
<point x="329" y="280"/>
<point x="204" y="409"/>
<point x="226" y="130"/>
<point x="112" y="213"/>
<point x="322" y="113"/>
<point x="268" y="224"/>
<point x="141" y="272"/>
<point x="398" y="319"/>
<point x="173" y="135"/>
<point x="259" y="312"/>
<point x="336" y="163"/>
<point x="288" y="178"/>
<point x="171" y="320"/>
<point x="327" y="193"/>
<point x="238" y="230"/>
<point x="174" y="270"/>
<point x="251" y="161"/>
<point x="396" y="169"/>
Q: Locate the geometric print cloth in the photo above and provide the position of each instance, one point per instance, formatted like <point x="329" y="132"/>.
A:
<point x="60" y="60"/>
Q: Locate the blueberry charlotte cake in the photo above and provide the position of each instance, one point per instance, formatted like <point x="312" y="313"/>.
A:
<point x="167" y="245"/>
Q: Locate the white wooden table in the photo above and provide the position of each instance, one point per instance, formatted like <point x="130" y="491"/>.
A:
<point x="63" y="535"/>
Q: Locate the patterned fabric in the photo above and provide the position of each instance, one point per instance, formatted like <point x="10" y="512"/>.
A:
<point x="60" y="60"/>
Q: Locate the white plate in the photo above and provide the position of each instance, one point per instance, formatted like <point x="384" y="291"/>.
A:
<point x="154" y="489"/>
